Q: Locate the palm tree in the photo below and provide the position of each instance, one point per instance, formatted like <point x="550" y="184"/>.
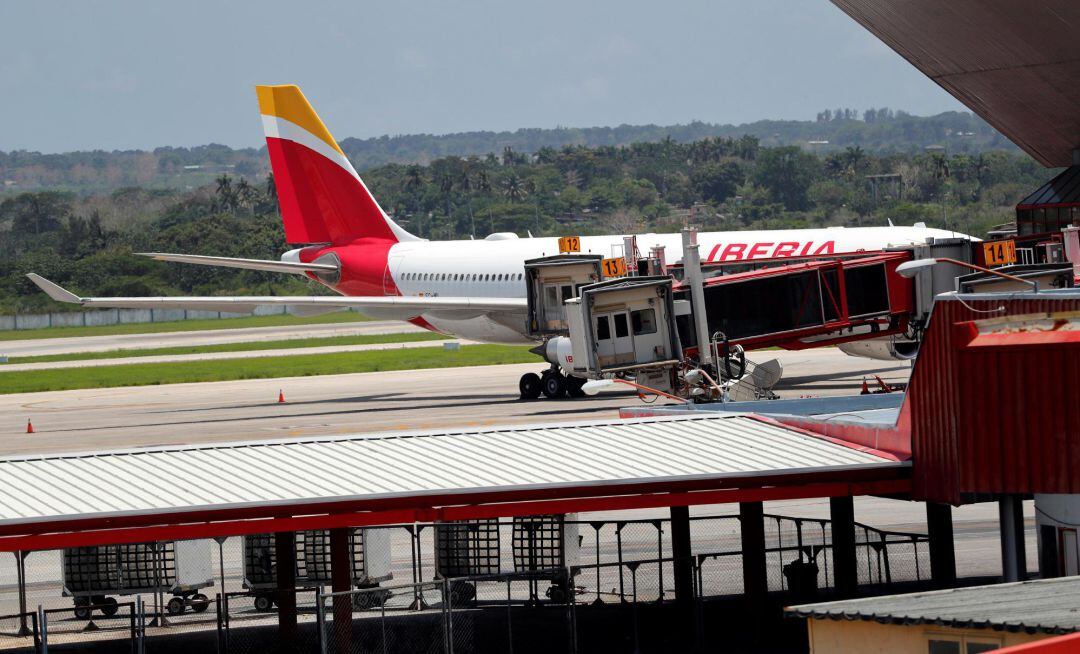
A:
<point x="515" y="188"/>
<point x="446" y="185"/>
<point x="853" y="158"/>
<point x="246" y="195"/>
<point x="483" y="182"/>
<point x="465" y="184"/>
<point x="227" y="200"/>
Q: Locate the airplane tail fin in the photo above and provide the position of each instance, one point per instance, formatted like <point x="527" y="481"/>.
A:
<point x="322" y="198"/>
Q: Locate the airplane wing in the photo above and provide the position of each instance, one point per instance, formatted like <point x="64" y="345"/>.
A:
<point x="389" y="307"/>
<point x="294" y="267"/>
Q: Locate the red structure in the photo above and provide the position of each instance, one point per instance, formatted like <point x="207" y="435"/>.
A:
<point x="994" y="412"/>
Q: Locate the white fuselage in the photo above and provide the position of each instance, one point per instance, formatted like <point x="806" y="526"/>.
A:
<point x="495" y="267"/>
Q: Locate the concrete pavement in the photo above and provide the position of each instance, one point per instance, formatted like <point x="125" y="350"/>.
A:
<point x="45" y="346"/>
<point x="94" y="419"/>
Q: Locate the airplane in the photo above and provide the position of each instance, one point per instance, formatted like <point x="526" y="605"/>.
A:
<point x="471" y="289"/>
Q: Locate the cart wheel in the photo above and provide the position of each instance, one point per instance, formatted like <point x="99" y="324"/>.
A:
<point x="574" y="386"/>
<point x="263" y="603"/>
<point x="462" y="593"/>
<point x="556" y="594"/>
<point x="199" y="603"/>
<point x="82" y="608"/>
<point x="109" y="606"/>
<point x="175" y="606"/>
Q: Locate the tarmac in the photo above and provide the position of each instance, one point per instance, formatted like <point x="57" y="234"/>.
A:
<point x="174" y="414"/>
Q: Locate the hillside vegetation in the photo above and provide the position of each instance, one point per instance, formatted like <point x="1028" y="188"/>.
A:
<point x="876" y="130"/>
<point x="85" y="240"/>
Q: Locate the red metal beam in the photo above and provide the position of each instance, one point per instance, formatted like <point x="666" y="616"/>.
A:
<point x="191" y="530"/>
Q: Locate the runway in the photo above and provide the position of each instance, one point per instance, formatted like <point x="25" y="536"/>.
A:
<point x="46" y="346"/>
<point x="116" y="418"/>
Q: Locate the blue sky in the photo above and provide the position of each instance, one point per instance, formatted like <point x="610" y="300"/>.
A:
<point x="126" y="74"/>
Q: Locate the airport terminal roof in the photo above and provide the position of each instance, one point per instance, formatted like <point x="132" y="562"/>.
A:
<point x="271" y="479"/>
<point x="1047" y="606"/>
<point x="1013" y="63"/>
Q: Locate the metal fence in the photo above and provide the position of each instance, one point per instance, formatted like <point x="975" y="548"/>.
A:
<point x="604" y="567"/>
<point x="99" y="317"/>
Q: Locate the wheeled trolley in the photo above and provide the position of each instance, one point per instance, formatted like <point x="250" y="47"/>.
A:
<point x="93" y="576"/>
<point x="370" y="549"/>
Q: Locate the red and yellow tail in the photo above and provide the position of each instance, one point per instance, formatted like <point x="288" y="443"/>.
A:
<point x="322" y="198"/>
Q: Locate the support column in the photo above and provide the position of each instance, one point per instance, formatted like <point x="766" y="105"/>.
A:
<point x="845" y="575"/>
<point x="752" y="525"/>
<point x="1013" y="553"/>
<point x="684" y="574"/>
<point x="20" y="569"/>
<point x="285" y="559"/>
<point x="939" y="528"/>
<point x="341" y="581"/>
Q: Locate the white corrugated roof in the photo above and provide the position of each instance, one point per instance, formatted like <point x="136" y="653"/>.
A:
<point x="299" y="471"/>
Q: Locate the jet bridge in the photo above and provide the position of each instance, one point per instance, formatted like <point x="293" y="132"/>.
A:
<point x="805" y="304"/>
<point x="550" y="282"/>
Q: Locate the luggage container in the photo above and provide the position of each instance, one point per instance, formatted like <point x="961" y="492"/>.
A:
<point x="94" y="575"/>
<point x="370" y="561"/>
<point x="542" y="546"/>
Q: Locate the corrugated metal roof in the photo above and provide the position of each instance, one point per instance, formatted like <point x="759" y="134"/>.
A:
<point x="1047" y="605"/>
<point x="291" y="472"/>
<point x="1063" y="189"/>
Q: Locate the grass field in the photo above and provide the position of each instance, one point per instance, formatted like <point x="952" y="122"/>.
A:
<point x="180" y="326"/>
<point x="302" y="365"/>
<point x="288" y="344"/>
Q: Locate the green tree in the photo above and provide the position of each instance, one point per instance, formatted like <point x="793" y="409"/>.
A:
<point x="716" y="182"/>
<point x="787" y="174"/>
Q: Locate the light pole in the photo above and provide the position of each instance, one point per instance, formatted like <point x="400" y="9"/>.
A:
<point x="911" y="268"/>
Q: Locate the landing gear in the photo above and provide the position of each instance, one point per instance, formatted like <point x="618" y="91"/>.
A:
<point x="529" y="386"/>
<point x="553" y="384"/>
<point x="574" y="385"/>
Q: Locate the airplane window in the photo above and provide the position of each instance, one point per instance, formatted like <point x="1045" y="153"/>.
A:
<point x="500" y="278"/>
<point x="442" y="277"/>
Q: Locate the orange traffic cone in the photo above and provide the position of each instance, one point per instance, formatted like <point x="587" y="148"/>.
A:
<point x="280" y="397"/>
<point x="29" y="426"/>
<point x="865" y="388"/>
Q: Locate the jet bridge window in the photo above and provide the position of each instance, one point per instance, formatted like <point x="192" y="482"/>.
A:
<point x="622" y="330"/>
<point x="867" y="290"/>
<point x="644" y="321"/>
<point x="603" y="328"/>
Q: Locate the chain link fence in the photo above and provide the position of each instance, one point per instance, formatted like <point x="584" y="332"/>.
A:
<point x="492" y="582"/>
